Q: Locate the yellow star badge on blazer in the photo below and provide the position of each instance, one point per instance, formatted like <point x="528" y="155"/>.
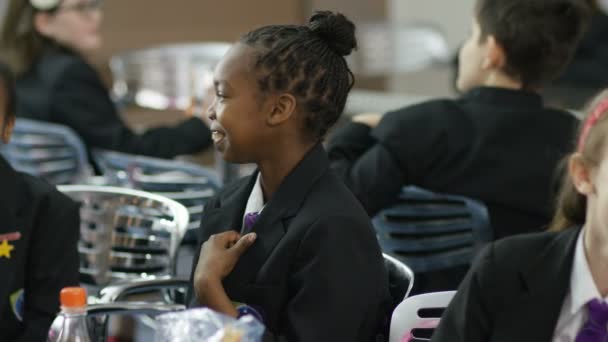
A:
<point x="5" y="249"/>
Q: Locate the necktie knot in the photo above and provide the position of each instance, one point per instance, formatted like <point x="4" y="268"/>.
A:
<point x="250" y="219"/>
<point x="595" y="329"/>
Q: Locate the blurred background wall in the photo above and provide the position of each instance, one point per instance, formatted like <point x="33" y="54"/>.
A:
<point x="135" y="24"/>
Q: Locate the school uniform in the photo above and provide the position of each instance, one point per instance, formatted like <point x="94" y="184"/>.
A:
<point x="39" y="230"/>
<point x="528" y="288"/>
<point x="63" y="88"/>
<point x="496" y="145"/>
<point x="315" y="272"/>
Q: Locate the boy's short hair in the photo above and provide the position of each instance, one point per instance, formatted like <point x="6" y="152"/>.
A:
<point x="539" y="37"/>
<point x="7" y="80"/>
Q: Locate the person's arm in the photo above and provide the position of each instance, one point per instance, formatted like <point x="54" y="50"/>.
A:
<point x="52" y="263"/>
<point x="349" y="142"/>
<point x="407" y="143"/>
<point x="469" y="316"/>
<point x="80" y="101"/>
<point x="337" y="284"/>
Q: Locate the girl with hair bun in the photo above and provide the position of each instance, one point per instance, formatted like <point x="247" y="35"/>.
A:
<point x="290" y="243"/>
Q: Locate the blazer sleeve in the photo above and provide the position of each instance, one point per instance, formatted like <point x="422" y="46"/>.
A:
<point x="81" y="102"/>
<point x="52" y="263"/>
<point x="337" y="281"/>
<point x="367" y="167"/>
<point x="469" y="317"/>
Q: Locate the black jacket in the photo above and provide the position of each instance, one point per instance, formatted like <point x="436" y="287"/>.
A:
<point x="514" y="292"/>
<point x="41" y="225"/>
<point x="62" y="88"/>
<point x="315" y="271"/>
<point x="496" y="145"/>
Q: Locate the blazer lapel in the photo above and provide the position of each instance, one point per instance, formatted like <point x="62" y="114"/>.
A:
<point x="273" y="222"/>
<point x="10" y="201"/>
<point x="546" y="284"/>
<point x="228" y="215"/>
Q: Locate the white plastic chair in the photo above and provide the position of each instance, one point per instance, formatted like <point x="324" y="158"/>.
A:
<point x="408" y="316"/>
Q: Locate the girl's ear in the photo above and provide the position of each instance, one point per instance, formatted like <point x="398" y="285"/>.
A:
<point x="581" y="174"/>
<point x="495" y="57"/>
<point x="283" y="107"/>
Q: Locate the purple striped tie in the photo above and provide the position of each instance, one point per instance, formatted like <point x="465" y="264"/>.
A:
<point x="250" y="219"/>
<point x="595" y="329"/>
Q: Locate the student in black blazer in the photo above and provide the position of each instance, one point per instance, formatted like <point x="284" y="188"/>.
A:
<point x="47" y="44"/>
<point x="38" y="242"/>
<point x="495" y="140"/>
<point x="289" y="242"/>
<point x="549" y="286"/>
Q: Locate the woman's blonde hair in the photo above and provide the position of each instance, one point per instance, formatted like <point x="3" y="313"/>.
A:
<point x="20" y="43"/>
<point x="571" y="206"/>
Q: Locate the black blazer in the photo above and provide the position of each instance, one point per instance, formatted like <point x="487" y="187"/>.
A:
<point x="315" y="272"/>
<point x="514" y="292"/>
<point x="42" y="261"/>
<point x="497" y="145"/>
<point x="62" y="88"/>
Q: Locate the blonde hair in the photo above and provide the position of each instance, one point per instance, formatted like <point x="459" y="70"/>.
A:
<point x="20" y="43"/>
<point x="571" y="205"/>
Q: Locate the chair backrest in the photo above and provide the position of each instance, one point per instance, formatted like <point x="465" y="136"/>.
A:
<point x="417" y="316"/>
<point x="49" y="151"/>
<point x="187" y="183"/>
<point x="126" y="234"/>
<point x="430" y="231"/>
<point x="401" y="278"/>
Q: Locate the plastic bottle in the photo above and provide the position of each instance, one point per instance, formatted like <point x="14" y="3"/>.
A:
<point x="73" y="309"/>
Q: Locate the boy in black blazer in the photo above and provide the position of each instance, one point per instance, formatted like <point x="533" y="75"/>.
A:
<point x="497" y="143"/>
<point x="289" y="243"/>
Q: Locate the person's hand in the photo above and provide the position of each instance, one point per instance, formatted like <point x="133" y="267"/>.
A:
<point x="368" y="119"/>
<point x="219" y="254"/>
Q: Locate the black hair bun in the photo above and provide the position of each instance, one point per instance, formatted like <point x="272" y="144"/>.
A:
<point x="335" y="29"/>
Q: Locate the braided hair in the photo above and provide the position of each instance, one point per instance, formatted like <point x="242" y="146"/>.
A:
<point x="308" y="62"/>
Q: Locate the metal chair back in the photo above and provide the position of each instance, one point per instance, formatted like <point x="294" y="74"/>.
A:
<point x="49" y="151"/>
<point x="187" y="183"/>
<point x="400" y="279"/>
<point x="126" y="234"/>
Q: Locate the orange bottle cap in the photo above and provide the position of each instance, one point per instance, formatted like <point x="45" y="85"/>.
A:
<point x="73" y="297"/>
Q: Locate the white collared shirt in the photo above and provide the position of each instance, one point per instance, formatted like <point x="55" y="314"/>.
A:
<point x="255" y="203"/>
<point x="582" y="290"/>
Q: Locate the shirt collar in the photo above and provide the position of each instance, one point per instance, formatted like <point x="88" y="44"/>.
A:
<point x="582" y="286"/>
<point x="505" y="97"/>
<point x="255" y="203"/>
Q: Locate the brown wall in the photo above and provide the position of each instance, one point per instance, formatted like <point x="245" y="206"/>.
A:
<point x="132" y="24"/>
<point x="357" y="10"/>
